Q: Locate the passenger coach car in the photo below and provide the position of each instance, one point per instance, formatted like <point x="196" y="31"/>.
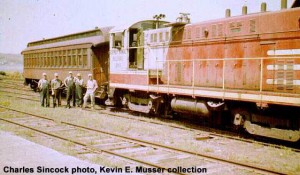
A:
<point x="84" y="52"/>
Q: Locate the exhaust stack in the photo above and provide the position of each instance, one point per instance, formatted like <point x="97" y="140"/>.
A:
<point x="263" y="7"/>
<point x="244" y="10"/>
<point x="227" y="13"/>
<point x="283" y="4"/>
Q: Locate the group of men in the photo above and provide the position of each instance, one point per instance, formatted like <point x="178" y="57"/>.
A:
<point x="74" y="86"/>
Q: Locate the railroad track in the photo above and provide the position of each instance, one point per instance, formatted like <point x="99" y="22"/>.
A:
<point x="14" y="87"/>
<point x="18" y="93"/>
<point x="166" y="122"/>
<point x="210" y="131"/>
<point x="140" y="151"/>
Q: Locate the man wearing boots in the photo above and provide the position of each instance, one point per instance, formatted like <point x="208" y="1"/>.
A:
<point x="43" y="86"/>
<point x="56" y="85"/>
<point x="70" y="85"/>
<point x="79" y="89"/>
<point x="91" y="86"/>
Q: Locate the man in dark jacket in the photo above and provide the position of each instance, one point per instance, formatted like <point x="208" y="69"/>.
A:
<point x="56" y="85"/>
<point x="70" y="85"/>
<point x="79" y="89"/>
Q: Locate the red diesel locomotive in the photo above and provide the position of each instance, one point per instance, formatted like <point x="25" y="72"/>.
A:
<point x="243" y="69"/>
<point x="248" y="65"/>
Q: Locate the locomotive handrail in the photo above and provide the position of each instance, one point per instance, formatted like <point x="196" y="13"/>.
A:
<point x="224" y="60"/>
<point x="231" y="59"/>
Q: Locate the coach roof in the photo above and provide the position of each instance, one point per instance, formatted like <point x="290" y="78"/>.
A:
<point x="93" y="37"/>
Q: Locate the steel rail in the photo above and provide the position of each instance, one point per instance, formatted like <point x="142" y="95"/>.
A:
<point x="201" y="155"/>
<point x="207" y="129"/>
<point x="11" y="86"/>
<point x="18" y="93"/>
<point x="92" y="148"/>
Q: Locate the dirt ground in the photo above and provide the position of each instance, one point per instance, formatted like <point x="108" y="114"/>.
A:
<point x="282" y="160"/>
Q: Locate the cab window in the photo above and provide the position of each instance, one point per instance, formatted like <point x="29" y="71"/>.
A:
<point x="117" y="40"/>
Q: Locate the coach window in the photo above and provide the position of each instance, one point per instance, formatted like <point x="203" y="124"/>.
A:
<point x="117" y="40"/>
<point x="68" y="58"/>
<point x="64" y="58"/>
<point x="27" y="62"/>
<point x="49" y="59"/>
<point x="31" y="60"/>
<point x="46" y="59"/>
<point x="79" y="57"/>
<point x="36" y="56"/>
<point x="41" y="59"/>
<point x="84" y="57"/>
<point x="35" y="60"/>
<point x="55" y="59"/>
<point x="52" y="61"/>
<point x="74" y="59"/>
<point x="60" y="58"/>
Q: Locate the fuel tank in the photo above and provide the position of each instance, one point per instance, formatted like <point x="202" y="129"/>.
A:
<point x="190" y="106"/>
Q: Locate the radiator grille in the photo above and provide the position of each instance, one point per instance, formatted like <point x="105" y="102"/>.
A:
<point x="285" y="75"/>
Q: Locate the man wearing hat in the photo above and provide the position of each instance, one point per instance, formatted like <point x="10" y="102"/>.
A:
<point x="70" y="85"/>
<point x="79" y="87"/>
<point x="91" y="86"/>
<point x="43" y="85"/>
<point x="56" y="85"/>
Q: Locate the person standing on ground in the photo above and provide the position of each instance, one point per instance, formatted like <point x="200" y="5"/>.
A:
<point x="43" y="86"/>
<point x="56" y="85"/>
<point x="79" y="89"/>
<point x="91" y="86"/>
<point x="70" y="85"/>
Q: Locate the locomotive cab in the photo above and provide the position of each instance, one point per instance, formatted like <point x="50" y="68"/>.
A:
<point x="137" y="52"/>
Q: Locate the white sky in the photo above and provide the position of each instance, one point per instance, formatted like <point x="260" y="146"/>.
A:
<point x="23" y="21"/>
